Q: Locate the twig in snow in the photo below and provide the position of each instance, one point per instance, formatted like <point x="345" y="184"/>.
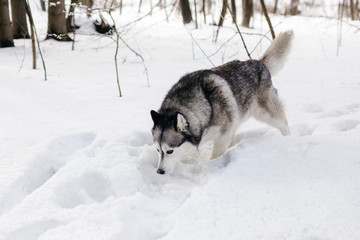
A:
<point x="116" y="51"/>
<point x="138" y="55"/>
<point x="118" y="37"/>
<point x="31" y="20"/>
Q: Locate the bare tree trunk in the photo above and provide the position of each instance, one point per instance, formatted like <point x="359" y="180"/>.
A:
<point x="166" y="13"/>
<point x="20" y="29"/>
<point x="56" y="21"/>
<point x="341" y="8"/>
<point x="248" y="10"/>
<point x="185" y="11"/>
<point x="140" y="5"/>
<point x="42" y="4"/>
<point x="233" y="11"/>
<point x="222" y="17"/>
<point x="209" y="5"/>
<point x="223" y="13"/>
<point x="89" y="4"/>
<point x="33" y="34"/>
<point x="354" y="10"/>
<point x="33" y="45"/>
<point x="195" y="11"/>
<point x="203" y="10"/>
<point x="294" y="7"/>
<point x="70" y="25"/>
<point x="275" y="6"/>
<point x="6" y="36"/>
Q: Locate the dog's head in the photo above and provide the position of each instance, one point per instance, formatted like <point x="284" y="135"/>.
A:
<point x="172" y="140"/>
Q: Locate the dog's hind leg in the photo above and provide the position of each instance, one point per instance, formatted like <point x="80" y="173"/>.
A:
<point x="269" y="109"/>
<point x="235" y="139"/>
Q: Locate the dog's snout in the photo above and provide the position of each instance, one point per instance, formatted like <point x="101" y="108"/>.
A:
<point x="160" y="171"/>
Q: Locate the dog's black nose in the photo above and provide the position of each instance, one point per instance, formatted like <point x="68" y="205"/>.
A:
<point x="160" y="171"/>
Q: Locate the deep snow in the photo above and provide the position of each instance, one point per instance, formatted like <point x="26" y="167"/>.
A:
<point x="77" y="161"/>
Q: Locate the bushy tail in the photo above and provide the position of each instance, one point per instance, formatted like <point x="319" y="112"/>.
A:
<point x="275" y="56"/>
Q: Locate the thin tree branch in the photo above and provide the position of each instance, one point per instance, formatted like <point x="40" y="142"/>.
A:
<point x="199" y="46"/>
<point x="222" y="45"/>
<point x="74" y="29"/>
<point x="33" y="45"/>
<point x="267" y="18"/>
<point x="264" y="36"/>
<point x="237" y="28"/>
<point x="116" y="64"/>
<point x="116" y="51"/>
<point x="195" y="12"/>
<point x="138" y="55"/>
<point x="222" y="18"/>
<point x="118" y="37"/>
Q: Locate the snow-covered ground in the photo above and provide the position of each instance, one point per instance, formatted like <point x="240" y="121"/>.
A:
<point x="77" y="161"/>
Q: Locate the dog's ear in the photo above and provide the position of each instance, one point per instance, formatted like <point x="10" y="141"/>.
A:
<point x="181" y="123"/>
<point x="155" y="116"/>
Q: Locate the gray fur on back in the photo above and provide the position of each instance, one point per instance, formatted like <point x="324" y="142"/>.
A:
<point x="223" y="96"/>
<point x="202" y="96"/>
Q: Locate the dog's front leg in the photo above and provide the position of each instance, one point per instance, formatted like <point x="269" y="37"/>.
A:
<point x="220" y="145"/>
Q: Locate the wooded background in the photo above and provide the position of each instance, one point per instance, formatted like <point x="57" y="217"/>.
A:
<point x="16" y="19"/>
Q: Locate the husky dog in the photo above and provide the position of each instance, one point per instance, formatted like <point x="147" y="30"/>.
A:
<point x="209" y="105"/>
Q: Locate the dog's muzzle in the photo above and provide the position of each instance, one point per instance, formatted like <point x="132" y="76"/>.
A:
<point x="160" y="171"/>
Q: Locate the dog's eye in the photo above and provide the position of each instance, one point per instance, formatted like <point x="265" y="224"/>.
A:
<point x="158" y="150"/>
<point x="169" y="151"/>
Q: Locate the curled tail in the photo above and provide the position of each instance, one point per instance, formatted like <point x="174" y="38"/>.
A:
<point x="275" y="56"/>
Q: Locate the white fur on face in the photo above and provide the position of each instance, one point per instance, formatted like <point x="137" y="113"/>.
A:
<point x="167" y="161"/>
<point x="158" y="149"/>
